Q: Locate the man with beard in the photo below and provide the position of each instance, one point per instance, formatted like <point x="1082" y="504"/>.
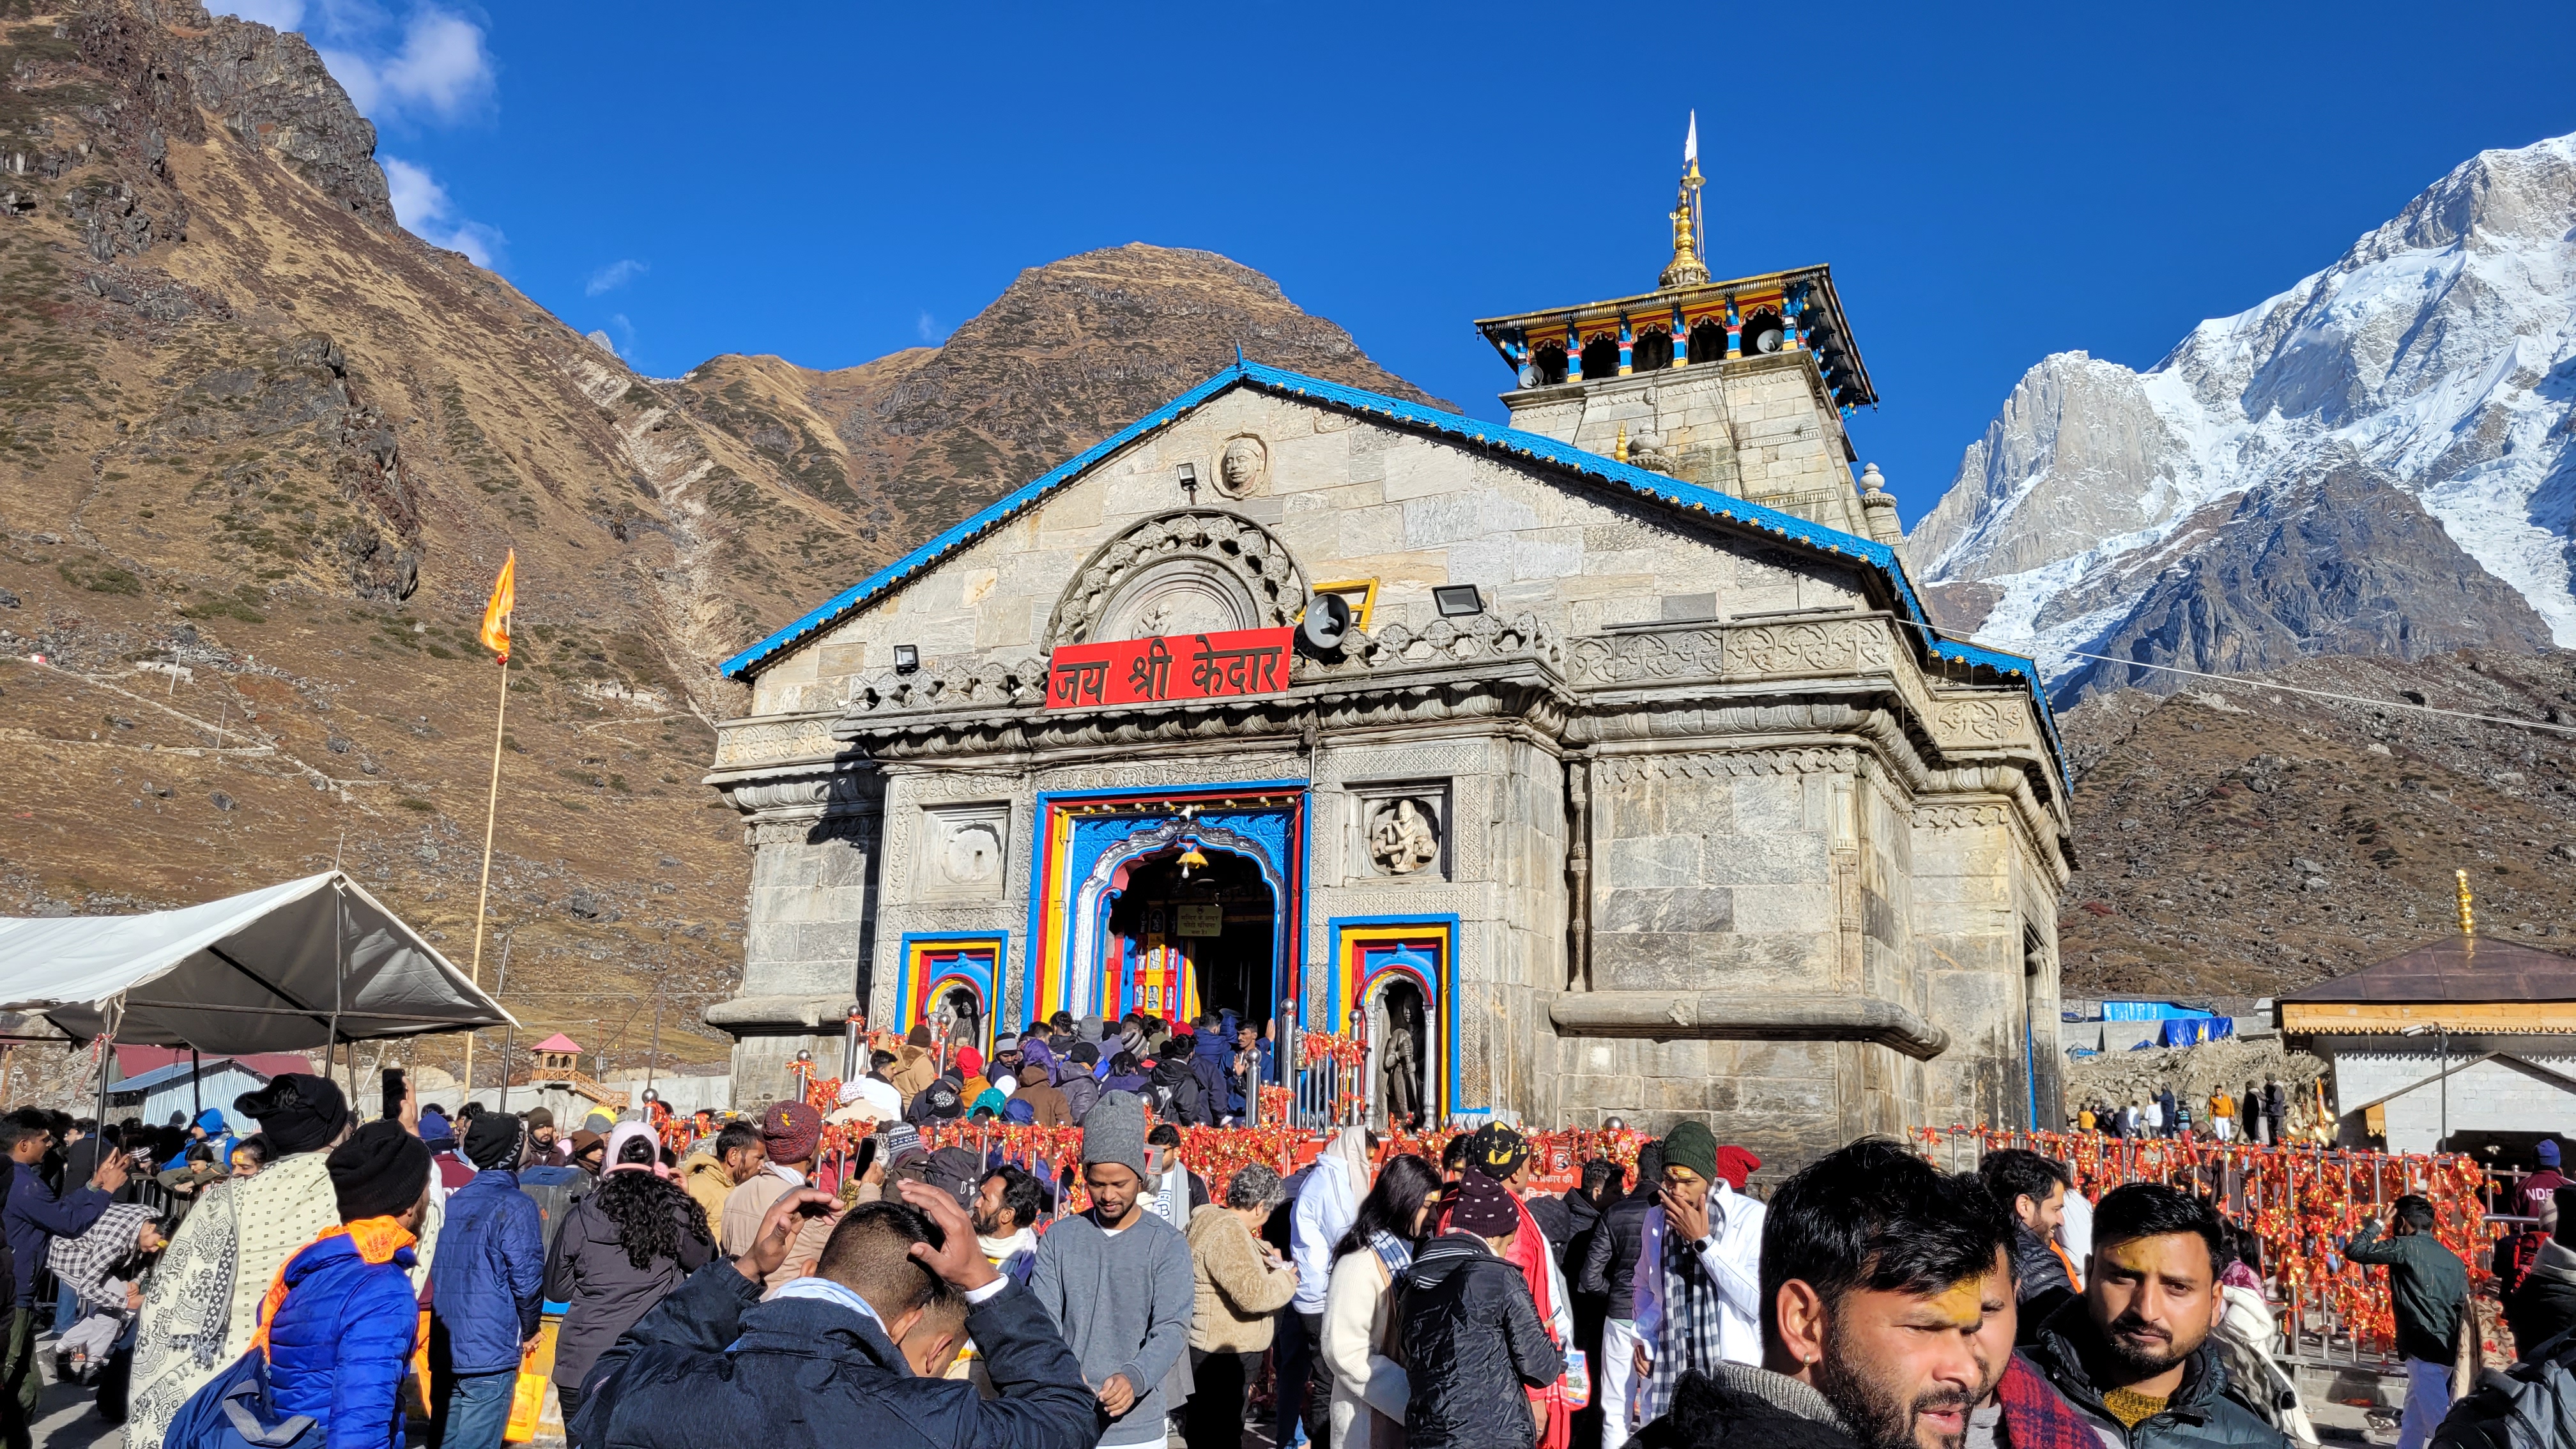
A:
<point x="2133" y="1353"/>
<point x="2034" y="1189"/>
<point x="1882" y="1280"/>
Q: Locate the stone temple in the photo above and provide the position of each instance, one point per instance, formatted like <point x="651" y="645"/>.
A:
<point x="1610" y="754"/>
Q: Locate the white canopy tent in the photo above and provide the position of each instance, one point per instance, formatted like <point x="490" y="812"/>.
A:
<point x="310" y="963"/>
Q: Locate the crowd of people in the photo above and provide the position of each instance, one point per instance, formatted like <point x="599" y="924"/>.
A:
<point x="340" y="1277"/>
<point x="2266" y="1113"/>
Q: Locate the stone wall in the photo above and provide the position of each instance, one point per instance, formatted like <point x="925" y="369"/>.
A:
<point x="1349" y="500"/>
<point x="1759" y="428"/>
<point x="2526" y="1092"/>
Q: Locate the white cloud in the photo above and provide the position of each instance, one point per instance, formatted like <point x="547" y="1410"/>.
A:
<point x="426" y="211"/>
<point x="441" y="71"/>
<point x="928" y="328"/>
<point x="432" y="65"/>
<point x="615" y="275"/>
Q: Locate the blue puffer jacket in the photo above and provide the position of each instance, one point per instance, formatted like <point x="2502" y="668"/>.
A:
<point x="338" y="1345"/>
<point x="484" y="1284"/>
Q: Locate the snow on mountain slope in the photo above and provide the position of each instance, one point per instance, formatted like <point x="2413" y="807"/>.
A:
<point x="2434" y="362"/>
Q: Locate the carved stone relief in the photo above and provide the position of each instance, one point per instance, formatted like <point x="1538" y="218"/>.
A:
<point x="1243" y="467"/>
<point x="963" y="851"/>
<point x="1402" y="837"/>
<point x="1173" y="567"/>
<point x="1402" y="830"/>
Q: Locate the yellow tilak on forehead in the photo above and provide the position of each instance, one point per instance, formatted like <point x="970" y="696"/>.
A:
<point x="1964" y="1302"/>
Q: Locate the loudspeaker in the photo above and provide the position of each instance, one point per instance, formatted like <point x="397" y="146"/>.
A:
<point x="1328" y="618"/>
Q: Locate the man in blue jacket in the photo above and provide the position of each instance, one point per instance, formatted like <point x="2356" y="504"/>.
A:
<point x="32" y="1219"/>
<point x="852" y="1355"/>
<point x="484" y="1290"/>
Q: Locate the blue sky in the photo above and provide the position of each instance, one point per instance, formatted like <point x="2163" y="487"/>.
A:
<point x="833" y="182"/>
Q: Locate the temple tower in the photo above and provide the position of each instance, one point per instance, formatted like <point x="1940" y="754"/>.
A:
<point x="1740" y="385"/>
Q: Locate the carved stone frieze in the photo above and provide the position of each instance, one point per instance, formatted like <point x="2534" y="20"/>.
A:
<point x="1208" y="550"/>
<point x="1961" y="817"/>
<point x="1728" y="764"/>
<point x="741" y="744"/>
<point x="861" y="831"/>
<point x="1479" y="638"/>
<point x="1647" y="657"/>
<point x="1810" y="646"/>
<point x="1975" y="724"/>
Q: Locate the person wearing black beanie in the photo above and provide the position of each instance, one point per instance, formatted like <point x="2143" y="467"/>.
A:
<point x="492" y="1141"/>
<point x="382" y="1171"/>
<point x="1471" y="1328"/>
<point x="299" y="1112"/>
<point x="341" y="1338"/>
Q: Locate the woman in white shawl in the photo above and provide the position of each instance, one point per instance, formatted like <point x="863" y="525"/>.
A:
<point x="1369" y="1386"/>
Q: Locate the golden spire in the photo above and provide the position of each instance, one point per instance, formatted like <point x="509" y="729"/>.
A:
<point x="2468" y="918"/>
<point x="1687" y="269"/>
<point x="1619" y="450"/>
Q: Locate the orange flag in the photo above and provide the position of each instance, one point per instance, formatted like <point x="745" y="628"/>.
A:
<point x="496" y="614"/>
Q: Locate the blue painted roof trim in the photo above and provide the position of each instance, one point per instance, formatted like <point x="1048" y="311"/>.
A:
<point x="1689" y="497"/>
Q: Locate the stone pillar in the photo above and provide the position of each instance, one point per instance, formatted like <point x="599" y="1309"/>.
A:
<point x="811" y="919"/>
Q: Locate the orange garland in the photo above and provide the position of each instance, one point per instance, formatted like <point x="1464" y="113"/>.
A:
<point x="2304" y="1203"/>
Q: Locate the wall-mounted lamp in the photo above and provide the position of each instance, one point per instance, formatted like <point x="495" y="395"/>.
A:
<point x="907" y="658"/>
<point x="1188" y="475"/>
<point x="1457" y="600"/>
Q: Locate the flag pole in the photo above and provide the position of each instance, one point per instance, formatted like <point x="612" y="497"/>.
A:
<point x="491" y="809"/>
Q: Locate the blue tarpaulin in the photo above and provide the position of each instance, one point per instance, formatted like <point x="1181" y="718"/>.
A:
<point x="2193" y="1030"/>
<point x="2151" y="1011"/>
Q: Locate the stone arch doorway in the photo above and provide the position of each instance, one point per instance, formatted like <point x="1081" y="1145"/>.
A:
<point x="1193" y="931"/>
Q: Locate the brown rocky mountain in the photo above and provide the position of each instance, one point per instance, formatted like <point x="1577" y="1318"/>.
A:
<point x="2240" y="840"/>
<point x="262" y="452"/>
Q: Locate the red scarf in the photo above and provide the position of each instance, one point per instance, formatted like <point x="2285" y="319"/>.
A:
<point x="1530" y="1254"/>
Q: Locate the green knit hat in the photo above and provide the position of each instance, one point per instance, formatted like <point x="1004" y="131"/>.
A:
<point x="1692" y="1145"/>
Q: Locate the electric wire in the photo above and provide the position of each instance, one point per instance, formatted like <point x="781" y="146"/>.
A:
<point x="2241" y="682"/>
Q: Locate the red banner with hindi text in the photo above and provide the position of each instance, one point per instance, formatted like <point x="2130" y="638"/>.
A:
<point x="1236" y="663"/>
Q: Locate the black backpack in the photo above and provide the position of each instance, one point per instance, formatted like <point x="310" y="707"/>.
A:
<point x="2531" y="1405"/>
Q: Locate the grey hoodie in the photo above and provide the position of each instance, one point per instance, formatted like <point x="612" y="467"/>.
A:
<point x="1123" y="1302"/>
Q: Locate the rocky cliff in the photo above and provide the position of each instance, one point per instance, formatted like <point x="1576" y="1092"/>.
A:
<point x="2376" y="460"/>
<point x="262" y="452"/>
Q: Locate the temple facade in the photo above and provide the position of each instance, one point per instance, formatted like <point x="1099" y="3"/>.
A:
<point x="1601" y="764"/>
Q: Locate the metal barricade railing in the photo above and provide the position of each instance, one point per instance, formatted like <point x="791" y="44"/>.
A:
<point x="2301" y="1202"/>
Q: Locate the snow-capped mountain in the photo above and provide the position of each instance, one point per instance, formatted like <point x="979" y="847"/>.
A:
<point x="2380" y="460"/>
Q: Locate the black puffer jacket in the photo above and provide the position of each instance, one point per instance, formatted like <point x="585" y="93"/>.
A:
<point x="2042" y="1286"/>
<point x="2543" y="1305"/>
<point x="1740" y="1405"/>
<point x="1472" y="1345"/>
<point x="1610" y="1265"/>
<point x="2200" y="1415"/>
<point x="1568" y="1221"/>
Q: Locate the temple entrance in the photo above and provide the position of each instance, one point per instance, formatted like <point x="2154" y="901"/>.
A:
<point x="1196" y="932"/>
<point x="1400" y="1056"/>
<point x="958" y="1019"/>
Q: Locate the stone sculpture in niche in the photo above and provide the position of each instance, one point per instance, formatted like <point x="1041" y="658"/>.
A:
<point x="1240" y="469"/>
<point x="972" y="853"/>
<point x="1402" y="837"/>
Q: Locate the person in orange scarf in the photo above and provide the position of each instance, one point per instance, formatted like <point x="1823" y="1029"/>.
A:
<point x="341" y="1322"/>
<point x="1503" y="1154"/>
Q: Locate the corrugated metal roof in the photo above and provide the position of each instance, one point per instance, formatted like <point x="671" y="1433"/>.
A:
<point x="178" y="1072"/>
<point x="2454" y="969"/>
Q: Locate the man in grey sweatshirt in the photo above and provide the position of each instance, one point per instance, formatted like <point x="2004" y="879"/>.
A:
<point x="1117" y="1280"/>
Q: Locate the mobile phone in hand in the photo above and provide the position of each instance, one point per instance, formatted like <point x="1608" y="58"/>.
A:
<point x="394" y="1090"/>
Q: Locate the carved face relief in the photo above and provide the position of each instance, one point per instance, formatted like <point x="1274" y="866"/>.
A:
<point x="1245" y="463"/>
<point x="1402" y="836"/>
